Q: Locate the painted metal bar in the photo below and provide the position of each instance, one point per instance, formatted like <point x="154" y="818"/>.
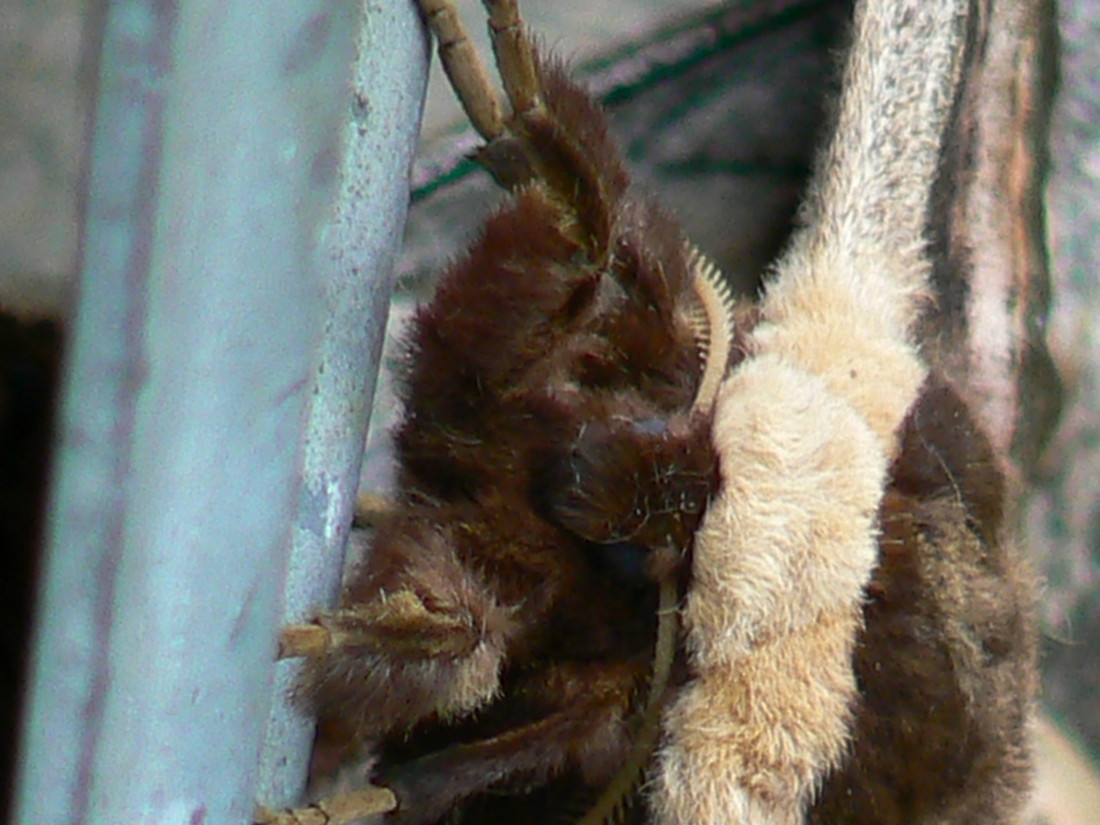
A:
<point x="361" y="244"/>
<point x="186" y="388"/>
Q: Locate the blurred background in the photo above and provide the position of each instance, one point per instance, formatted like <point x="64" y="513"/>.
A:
<point x="680" y="78"/>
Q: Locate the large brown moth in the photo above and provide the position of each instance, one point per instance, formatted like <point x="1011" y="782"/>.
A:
<point x="657" y="557"/>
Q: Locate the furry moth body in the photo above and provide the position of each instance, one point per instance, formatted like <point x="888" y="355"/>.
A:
<point x="586" y="423"/>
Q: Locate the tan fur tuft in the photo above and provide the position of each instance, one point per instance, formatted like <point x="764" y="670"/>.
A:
<point x="827" y="330"/>
<point x="804" y="432"/>
<point x="772" y="614"/>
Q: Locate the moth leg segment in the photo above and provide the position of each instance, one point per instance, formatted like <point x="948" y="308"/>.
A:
<point x="396" y="621"/>
<point x="515" y="57"/>
<point x="464" y="68"/>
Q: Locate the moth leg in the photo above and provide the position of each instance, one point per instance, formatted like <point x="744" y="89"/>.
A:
<point x="515" y="57"/>
<point x="464" y="68"/>
<point x="554" y="135"/>
<point x="587" y="732"/>
<point x="399" y="620"/>
<point x="341" y="809"/>
<point x="424" y="790"/>
<point x="421" y="634"/>
<point x="321" y="636"/>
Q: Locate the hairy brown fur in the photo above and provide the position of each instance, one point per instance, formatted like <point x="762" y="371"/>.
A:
<point x="549" y="449"/>
<point x="946" y="659"/>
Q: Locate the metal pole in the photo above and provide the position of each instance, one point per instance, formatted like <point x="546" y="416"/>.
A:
<point x="361" y="244"/>
<point x="186" y="387"/>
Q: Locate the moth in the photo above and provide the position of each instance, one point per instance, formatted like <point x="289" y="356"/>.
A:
<point x="660" y="556"/>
